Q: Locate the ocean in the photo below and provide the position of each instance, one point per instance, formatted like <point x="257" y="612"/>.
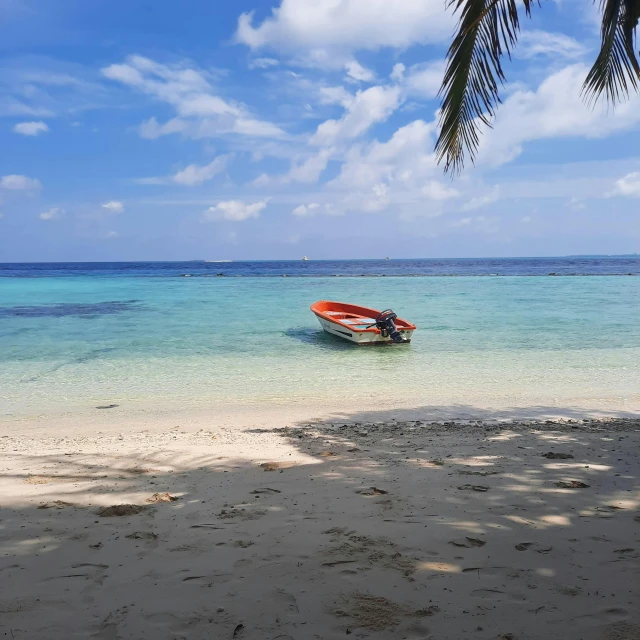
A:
<point x="507" y="334"/>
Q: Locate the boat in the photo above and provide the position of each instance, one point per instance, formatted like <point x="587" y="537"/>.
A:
<point x="361" y="325"/>
<point x="304" y="258"/>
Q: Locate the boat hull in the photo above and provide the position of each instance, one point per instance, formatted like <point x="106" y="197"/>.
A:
<point x="357" y="324"/>
<point x="363" y="339"/>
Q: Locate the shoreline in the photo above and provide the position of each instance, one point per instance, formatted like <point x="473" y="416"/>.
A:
<point x="376" y="529"/>
<point x="125" y="417"/>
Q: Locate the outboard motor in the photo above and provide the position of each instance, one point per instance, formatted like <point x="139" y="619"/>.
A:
<point x="387" y="327"/>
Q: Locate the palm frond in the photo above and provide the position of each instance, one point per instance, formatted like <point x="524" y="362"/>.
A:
<point x="488" y="29"/>
<point x="616" y="67"/>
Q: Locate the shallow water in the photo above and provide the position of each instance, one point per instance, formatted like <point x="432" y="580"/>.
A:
<point x="71" y="338"/>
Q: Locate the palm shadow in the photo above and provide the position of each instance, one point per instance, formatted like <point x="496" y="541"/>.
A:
<point x="408" y="512"/>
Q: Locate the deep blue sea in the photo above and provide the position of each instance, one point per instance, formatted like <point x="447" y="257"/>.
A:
<point x="210" y="335"/>
<point x="567" y="266"/>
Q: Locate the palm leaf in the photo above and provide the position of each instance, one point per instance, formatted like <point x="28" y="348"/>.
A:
<point x="488" y="29"/>
<point x="616" y="67"/>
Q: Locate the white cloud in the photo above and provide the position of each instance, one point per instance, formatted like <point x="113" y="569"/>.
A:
<point x="556" y="109"/>
<point x="235" y="210"/>
<point x="399" y="175"/>
<point x="356" y="71"/>
<point x="335" y="95"/>
<point x="30" y="128"/>
<point x="263" y="180"/>
<point x="263" y="63"/>
<point x="525" y="219"/>
<point x="477" y="202"/>
<point x="194" y="174"/>
<point x="305" y="209"/>
<point x="310" y="169"/>
<point x="113" y="206"/>
<point x="37" y="86"/>
<point x="438" y="191"/>
<point x="52" y="214"/>
<point x="365" y="109"/>
<point x="111" y="234"/>
<point x="543" y="43"/>
<point x="19" y="183"/>
<point x="348" y="25"/>
<point x="628" y="185"/>
<point x="406" y="159"/>
<point x="200" y="113"/>
<point x="424" y="80"/>
<point x="575" y="204"/>
<point x="480" y="224"/>
<point x="398" y="72"/>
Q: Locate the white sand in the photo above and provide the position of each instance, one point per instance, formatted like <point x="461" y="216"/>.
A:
<point x="309" y="550"/>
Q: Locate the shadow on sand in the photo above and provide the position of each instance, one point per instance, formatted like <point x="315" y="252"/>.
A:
<point x="364" y="526"/>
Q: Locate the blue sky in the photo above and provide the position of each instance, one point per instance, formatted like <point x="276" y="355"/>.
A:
<point x="280" y="128"/>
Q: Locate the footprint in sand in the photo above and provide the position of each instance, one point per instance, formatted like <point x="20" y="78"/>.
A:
<point x="468" y="543"/>
<point x="243" y="513"/>
<point x="605" y="616"/>
<point x="622" y="631"/>
<point x="282" y="602"/>
<point x="496" y="594"/>
<point x="359" y="549"/>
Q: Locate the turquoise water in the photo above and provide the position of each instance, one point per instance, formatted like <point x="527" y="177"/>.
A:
<point x="67" y="344"/>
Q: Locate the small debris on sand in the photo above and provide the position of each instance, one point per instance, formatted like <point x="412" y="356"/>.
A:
<point x="242" y="513"/>
<point x="162" y="497"/>
<point x="372" y="491"/>
<point x="273" y="466"/>
<point x="136" y="471"/>
<point x="39" y="479"/>
<point x="142" y="535"/>
<point x="56" y="504"/>
<point x="121" y="510"/>
<point x="464" y="472"/>
<point x="473" y="487"/>
<point x="557" y="456"/>
<point x="572" y="484"/>
<point x="525" y="546"/>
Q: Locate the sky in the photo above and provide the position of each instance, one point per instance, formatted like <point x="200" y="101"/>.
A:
<point x="273" y="129"/>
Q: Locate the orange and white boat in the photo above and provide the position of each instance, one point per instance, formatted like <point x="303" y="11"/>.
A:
<point x="362" y="325"/>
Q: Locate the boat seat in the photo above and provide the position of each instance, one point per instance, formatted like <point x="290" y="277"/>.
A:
<point x="360" y="321"/>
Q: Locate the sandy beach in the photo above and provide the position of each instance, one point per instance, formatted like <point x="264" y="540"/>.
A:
<point x="370" y="529"/>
